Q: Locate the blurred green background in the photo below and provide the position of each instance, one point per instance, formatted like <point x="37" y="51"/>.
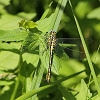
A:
<point x="88" y="15"/>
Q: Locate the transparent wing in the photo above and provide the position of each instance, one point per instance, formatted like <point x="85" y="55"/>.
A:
<point x="73" y="46"/>
<point x="76" y="41"/>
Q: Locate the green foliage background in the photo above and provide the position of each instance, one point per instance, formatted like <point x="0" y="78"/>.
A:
<point x="21" y="72"/>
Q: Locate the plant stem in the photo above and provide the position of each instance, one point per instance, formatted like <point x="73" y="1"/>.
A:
<point x="18" y="80"/>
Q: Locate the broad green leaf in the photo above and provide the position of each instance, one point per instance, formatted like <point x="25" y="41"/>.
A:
<point x="6" y="2"/>
<point x="8" y="21"/>
<point x="84" y="93"/>
<point x="13" y="35"/>
<point x="9" y="60"/>
<point x="2" y="6"/>
<point x="25" y="76"/>
<point x="2" y="83"/>
<point x="44" y="24"/>
<point x="82" y="8"/>
<point x="96" y="97"/>
<point x="28" y="68"/>
<point x="94" y="14"/>
<point x="96" y="57"/>
<point x="13" y="47"/>
<point x="31" y="59"/>
<point x="66" y="94"/>
<point x="31" y="42"/>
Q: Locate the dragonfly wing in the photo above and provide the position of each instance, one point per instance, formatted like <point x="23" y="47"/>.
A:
<point x="73" y="46"/>
<point x="73" y="40"/>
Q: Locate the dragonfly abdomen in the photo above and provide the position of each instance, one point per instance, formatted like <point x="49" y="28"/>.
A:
<point x="51" y="45"/>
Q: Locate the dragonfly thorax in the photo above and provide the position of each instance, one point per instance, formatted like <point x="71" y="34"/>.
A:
<point x="52" y="39"/>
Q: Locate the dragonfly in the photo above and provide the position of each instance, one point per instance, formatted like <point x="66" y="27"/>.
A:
<point x="52" y="41"/>
<point x="51" y="45"/>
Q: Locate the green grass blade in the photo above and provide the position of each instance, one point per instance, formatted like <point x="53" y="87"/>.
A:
<point x="66" y="94"/>
<point x="46" y="12"/>
<point x="86" y="51"/>
<point x="58" y="14"/>
<point x="43" y="88"/>
<point x="37" y="79"/>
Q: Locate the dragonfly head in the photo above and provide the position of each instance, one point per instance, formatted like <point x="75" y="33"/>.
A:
<point x="51" y="32"/>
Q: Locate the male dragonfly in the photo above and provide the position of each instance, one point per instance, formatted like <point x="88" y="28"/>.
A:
<point x="51" y="44"/>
